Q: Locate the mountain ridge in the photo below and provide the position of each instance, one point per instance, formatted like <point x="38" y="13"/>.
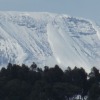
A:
<point x="48" y="38"/>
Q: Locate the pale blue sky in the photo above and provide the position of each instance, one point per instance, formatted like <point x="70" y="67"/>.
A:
<point x="81" y="8"/>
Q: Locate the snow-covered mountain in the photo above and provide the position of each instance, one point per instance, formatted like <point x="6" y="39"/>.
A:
<point x="48" y="39"/>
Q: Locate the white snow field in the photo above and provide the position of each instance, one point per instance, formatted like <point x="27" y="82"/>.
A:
<point x="48" y="39"/>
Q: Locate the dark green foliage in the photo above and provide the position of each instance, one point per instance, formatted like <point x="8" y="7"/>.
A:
<point x="24" y="83"/>
<point x="52" y="75"/>
<point x="94" y="84"/>
<point x="17" y="90"/>
<point x="63" y="91"/>
<point x="94" y="93"/>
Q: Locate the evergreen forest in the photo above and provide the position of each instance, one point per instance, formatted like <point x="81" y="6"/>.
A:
<point x="22" y="82"/>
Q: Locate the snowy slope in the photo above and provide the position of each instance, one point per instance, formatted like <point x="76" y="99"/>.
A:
<point x="48" y="39"/>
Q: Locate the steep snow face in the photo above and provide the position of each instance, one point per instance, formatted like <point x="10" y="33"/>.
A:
<point x="48" y="39"/>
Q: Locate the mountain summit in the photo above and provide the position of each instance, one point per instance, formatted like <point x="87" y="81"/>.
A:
<point x="47" y="38"/>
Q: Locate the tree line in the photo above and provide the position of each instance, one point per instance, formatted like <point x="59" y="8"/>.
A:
<point x="22" y="82"/>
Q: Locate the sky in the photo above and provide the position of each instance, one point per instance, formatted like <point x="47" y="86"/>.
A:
<point x="88" y="9"/>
